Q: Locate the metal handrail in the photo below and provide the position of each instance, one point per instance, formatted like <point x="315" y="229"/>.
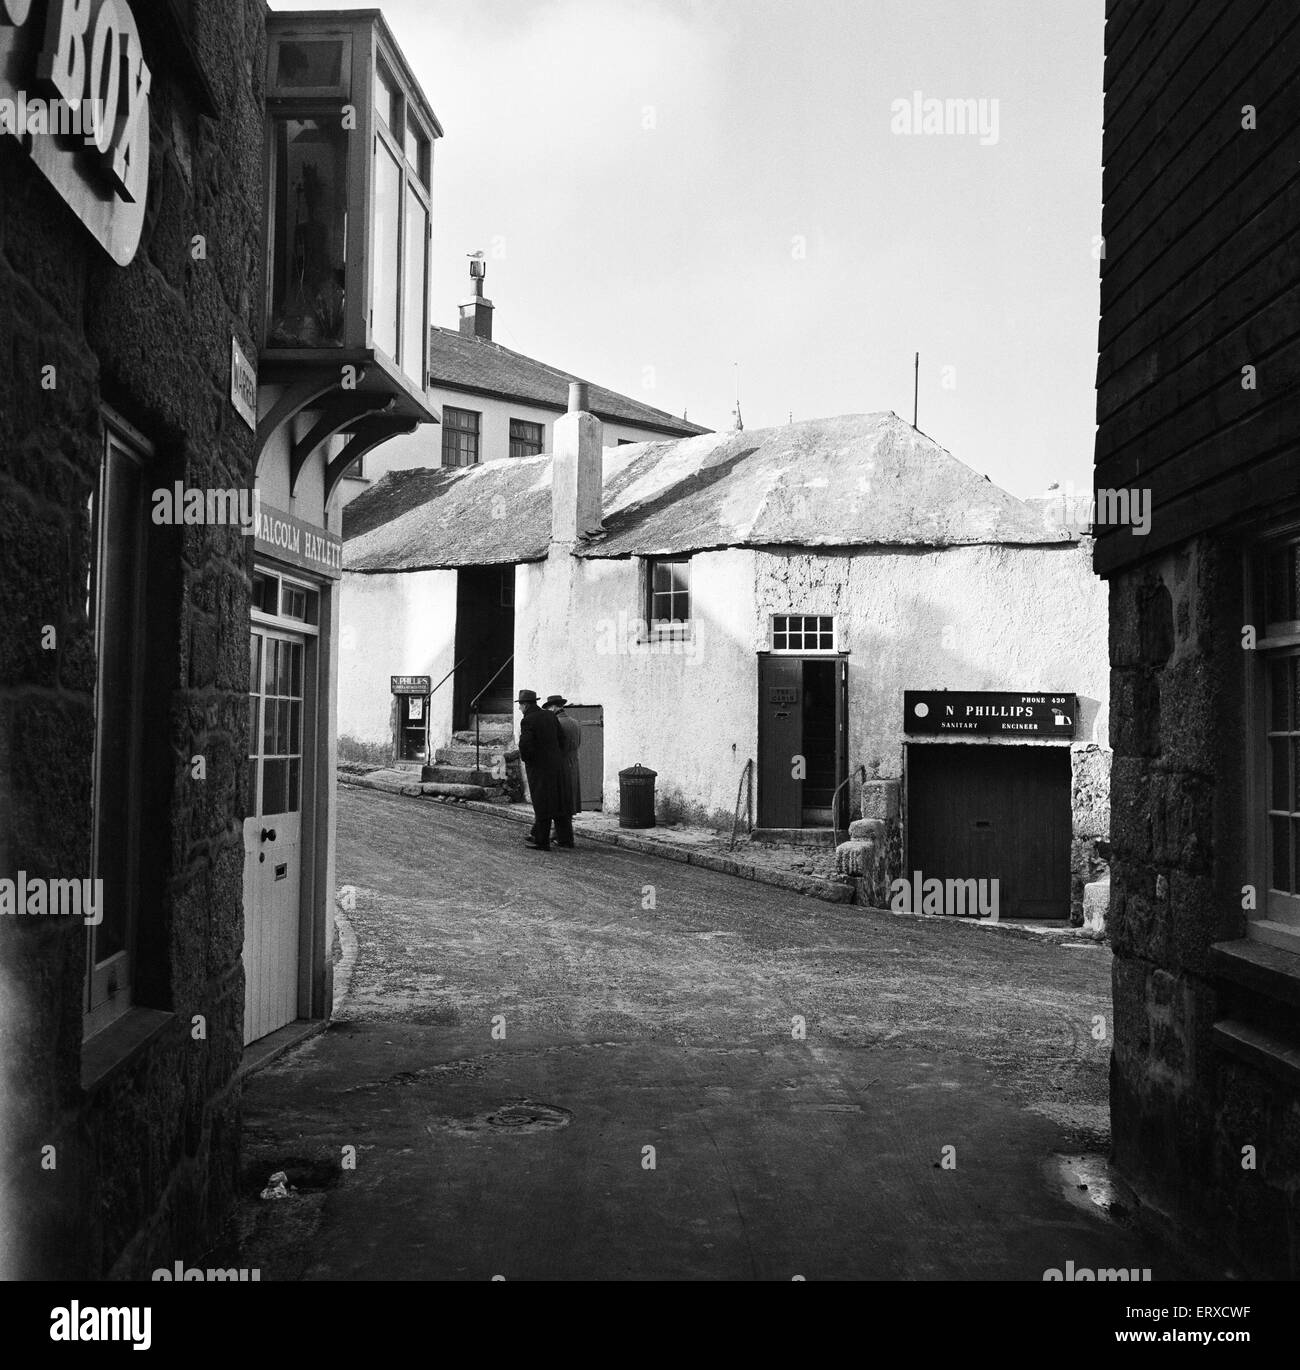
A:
<point x="835" y="824"/>
<point x="473" y="704"/>
<point x="746" y="773"/>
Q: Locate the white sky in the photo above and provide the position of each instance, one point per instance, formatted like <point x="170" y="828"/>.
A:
<point x="652" y="260"/>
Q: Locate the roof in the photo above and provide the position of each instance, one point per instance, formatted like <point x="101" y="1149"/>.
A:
<point x="863" y="480"/>
<point x="459" y="361"/>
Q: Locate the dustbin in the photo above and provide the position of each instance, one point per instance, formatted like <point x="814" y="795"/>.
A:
<point x="636" y="797"/>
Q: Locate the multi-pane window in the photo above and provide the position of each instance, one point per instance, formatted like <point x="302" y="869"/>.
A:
<point x="117" y="605"/>
<point x="460" y="433"/>
<point x="402" y="157"/>
<point x="668" y="594"/>
<point x="803" y="633"/>
<point x="1280" y="658"/>
<point x="525" y="438"/>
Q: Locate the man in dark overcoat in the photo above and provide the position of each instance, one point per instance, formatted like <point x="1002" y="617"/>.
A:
<point x="539" y="750"/>
<point x="570" y="741"/>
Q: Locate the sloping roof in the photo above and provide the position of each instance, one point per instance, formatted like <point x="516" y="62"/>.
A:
<point x="863" y="480"/>
<point x="462" y="362"/>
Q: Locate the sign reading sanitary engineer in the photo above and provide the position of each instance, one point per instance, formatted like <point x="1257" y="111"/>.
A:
<point x="989" y="711"/>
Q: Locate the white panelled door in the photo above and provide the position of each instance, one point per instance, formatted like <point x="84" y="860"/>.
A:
<point x="273" y="830"/>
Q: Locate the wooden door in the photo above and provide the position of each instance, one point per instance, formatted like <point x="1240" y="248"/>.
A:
<point x="591" y="753"/>
<point x="277" y="687"/>
<point x="993" y="812"/>
<point x="780" y="741"/>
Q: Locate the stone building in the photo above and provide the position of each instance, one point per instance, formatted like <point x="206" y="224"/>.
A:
<point x="125" y="642"/>
<point x="794" y="608"/>
<point x="494" y="402"/>
<point x="211" y="304"/>
<point x="1196" y="410"/>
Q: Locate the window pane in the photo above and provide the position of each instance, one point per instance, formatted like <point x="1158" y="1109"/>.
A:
<point x="386" y="98"/>
<point x="1280" y="682"/>
<point x="385" y="247"/>
<point x="292" y="799"/>
<point x="308" y="66"/>
<point x="1280" y="842"/>
<point x="1280" y="789"/>
<point x="415" y="289"/>
<point x="309" y="253"/>
<point x="275" y="787"/>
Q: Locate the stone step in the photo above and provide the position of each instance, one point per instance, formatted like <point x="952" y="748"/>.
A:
<point x="464" y="756"/>
<point x="496" y="736"/>
<point x="436" y="789"/>
<point x="458" y="775"/>
<point x="496" y="720"/>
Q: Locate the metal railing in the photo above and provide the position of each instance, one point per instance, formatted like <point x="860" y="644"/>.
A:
<point x="473" y="704"/>
<point x="835" y="810"/>
<point x="746" y="774"/>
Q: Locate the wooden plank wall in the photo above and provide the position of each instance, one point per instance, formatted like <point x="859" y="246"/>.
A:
<point x="1201" y="274"/>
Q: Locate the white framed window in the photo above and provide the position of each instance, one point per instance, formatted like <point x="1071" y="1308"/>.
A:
<point x="668" y="597"/>
<point x="1274" y="722"/>
<point x="803" y="633"/>
<point x="115" y="604"/>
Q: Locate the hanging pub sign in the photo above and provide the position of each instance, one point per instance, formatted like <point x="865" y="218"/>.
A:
<point x="74" y="90"/>
<point x="989" y="711"/>
<point x="412" y="685"/>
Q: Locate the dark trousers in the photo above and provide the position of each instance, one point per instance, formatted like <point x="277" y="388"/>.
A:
<point x="563" y="829"/>
<point x="545" y="790"/>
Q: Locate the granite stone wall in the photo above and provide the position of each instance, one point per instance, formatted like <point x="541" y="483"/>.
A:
<point x="138" y="1171"/>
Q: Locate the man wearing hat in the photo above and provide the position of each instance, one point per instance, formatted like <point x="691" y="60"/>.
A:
<point x="570" y="741"/>
<point x="539" y="750"/>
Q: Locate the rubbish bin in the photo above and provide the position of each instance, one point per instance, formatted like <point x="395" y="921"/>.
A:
<point x="636" y="797"/>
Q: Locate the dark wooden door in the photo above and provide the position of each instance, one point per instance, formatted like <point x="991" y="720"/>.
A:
<point x="780" y="740"/>
<point x="591" y="753"/>
<point x="993" y="812"/>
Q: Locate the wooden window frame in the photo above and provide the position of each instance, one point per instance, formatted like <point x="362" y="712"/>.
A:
<point x="476" y="433"/>
<point x="536" y="445"/>
<point x="803" y="649"/>
<point x="108" y="994"/>
<point x="1275" y="921"/>
<point x="666" y="629"/>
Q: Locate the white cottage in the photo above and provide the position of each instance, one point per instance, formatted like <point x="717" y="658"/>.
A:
<point x="838" y="611"/>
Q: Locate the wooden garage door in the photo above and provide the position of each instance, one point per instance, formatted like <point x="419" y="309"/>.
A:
<point x="993" y="812"/>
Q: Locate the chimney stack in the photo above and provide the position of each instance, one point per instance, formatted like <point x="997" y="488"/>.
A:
<point x="476" y="312"/>
<point x="576" y="470"/>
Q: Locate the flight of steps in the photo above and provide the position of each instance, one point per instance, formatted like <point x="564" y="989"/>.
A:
<point x="453" y="774"/>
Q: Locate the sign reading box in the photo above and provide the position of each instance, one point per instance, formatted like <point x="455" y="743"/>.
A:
<point x="412" y="684"/>
<point x="989" y="711"/>
<point x="74" y="90"/>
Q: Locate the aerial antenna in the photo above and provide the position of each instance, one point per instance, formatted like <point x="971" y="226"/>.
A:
<point x="916" y="387"/>
<point x="739" y="425"/>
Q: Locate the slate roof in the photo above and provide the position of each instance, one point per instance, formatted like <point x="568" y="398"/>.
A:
<point x="480" y="367"/>
<point x="863" y="480"/>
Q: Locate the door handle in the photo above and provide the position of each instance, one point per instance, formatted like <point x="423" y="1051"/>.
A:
<point x="268" y="834"/>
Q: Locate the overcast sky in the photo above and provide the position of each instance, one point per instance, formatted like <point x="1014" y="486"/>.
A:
<point x="666" y="188"/>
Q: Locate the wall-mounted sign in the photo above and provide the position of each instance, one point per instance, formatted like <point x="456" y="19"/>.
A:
<point x="74" y="90"/>
<point x="290" y="539"/>
<point x="783" y="694"/>
<point x="412" y="685"/>
<point x="243" y="385"/>
<point x="990" y="711"/>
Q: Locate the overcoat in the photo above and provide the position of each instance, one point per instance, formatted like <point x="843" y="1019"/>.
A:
<point x="570" y="741"/>
<point x="539" y="750"/>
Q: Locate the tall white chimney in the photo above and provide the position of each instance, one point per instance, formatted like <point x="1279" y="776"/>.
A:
<point x="576" y="470"/>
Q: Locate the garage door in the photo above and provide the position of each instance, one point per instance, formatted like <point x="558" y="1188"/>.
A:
<point x="993" y="812"/>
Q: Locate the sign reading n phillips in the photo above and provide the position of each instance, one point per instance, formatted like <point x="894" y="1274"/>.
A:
<point x="74" y="90"/>
<point x="1044" y="714"/>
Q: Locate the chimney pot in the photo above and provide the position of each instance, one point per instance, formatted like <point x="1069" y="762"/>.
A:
<point x="578" y="398"/>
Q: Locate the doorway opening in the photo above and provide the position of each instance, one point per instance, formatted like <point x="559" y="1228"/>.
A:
<point x="485" y="642"/>
<point x="802" y="740"/>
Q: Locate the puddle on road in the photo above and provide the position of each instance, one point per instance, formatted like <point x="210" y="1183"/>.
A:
<point x="1089" y="1183"/>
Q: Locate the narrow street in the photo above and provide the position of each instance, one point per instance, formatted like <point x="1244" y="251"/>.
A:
<point x="519" y="1030"/>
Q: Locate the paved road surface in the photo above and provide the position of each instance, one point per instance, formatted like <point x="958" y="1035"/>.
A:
<point x="651" y="1110"/>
